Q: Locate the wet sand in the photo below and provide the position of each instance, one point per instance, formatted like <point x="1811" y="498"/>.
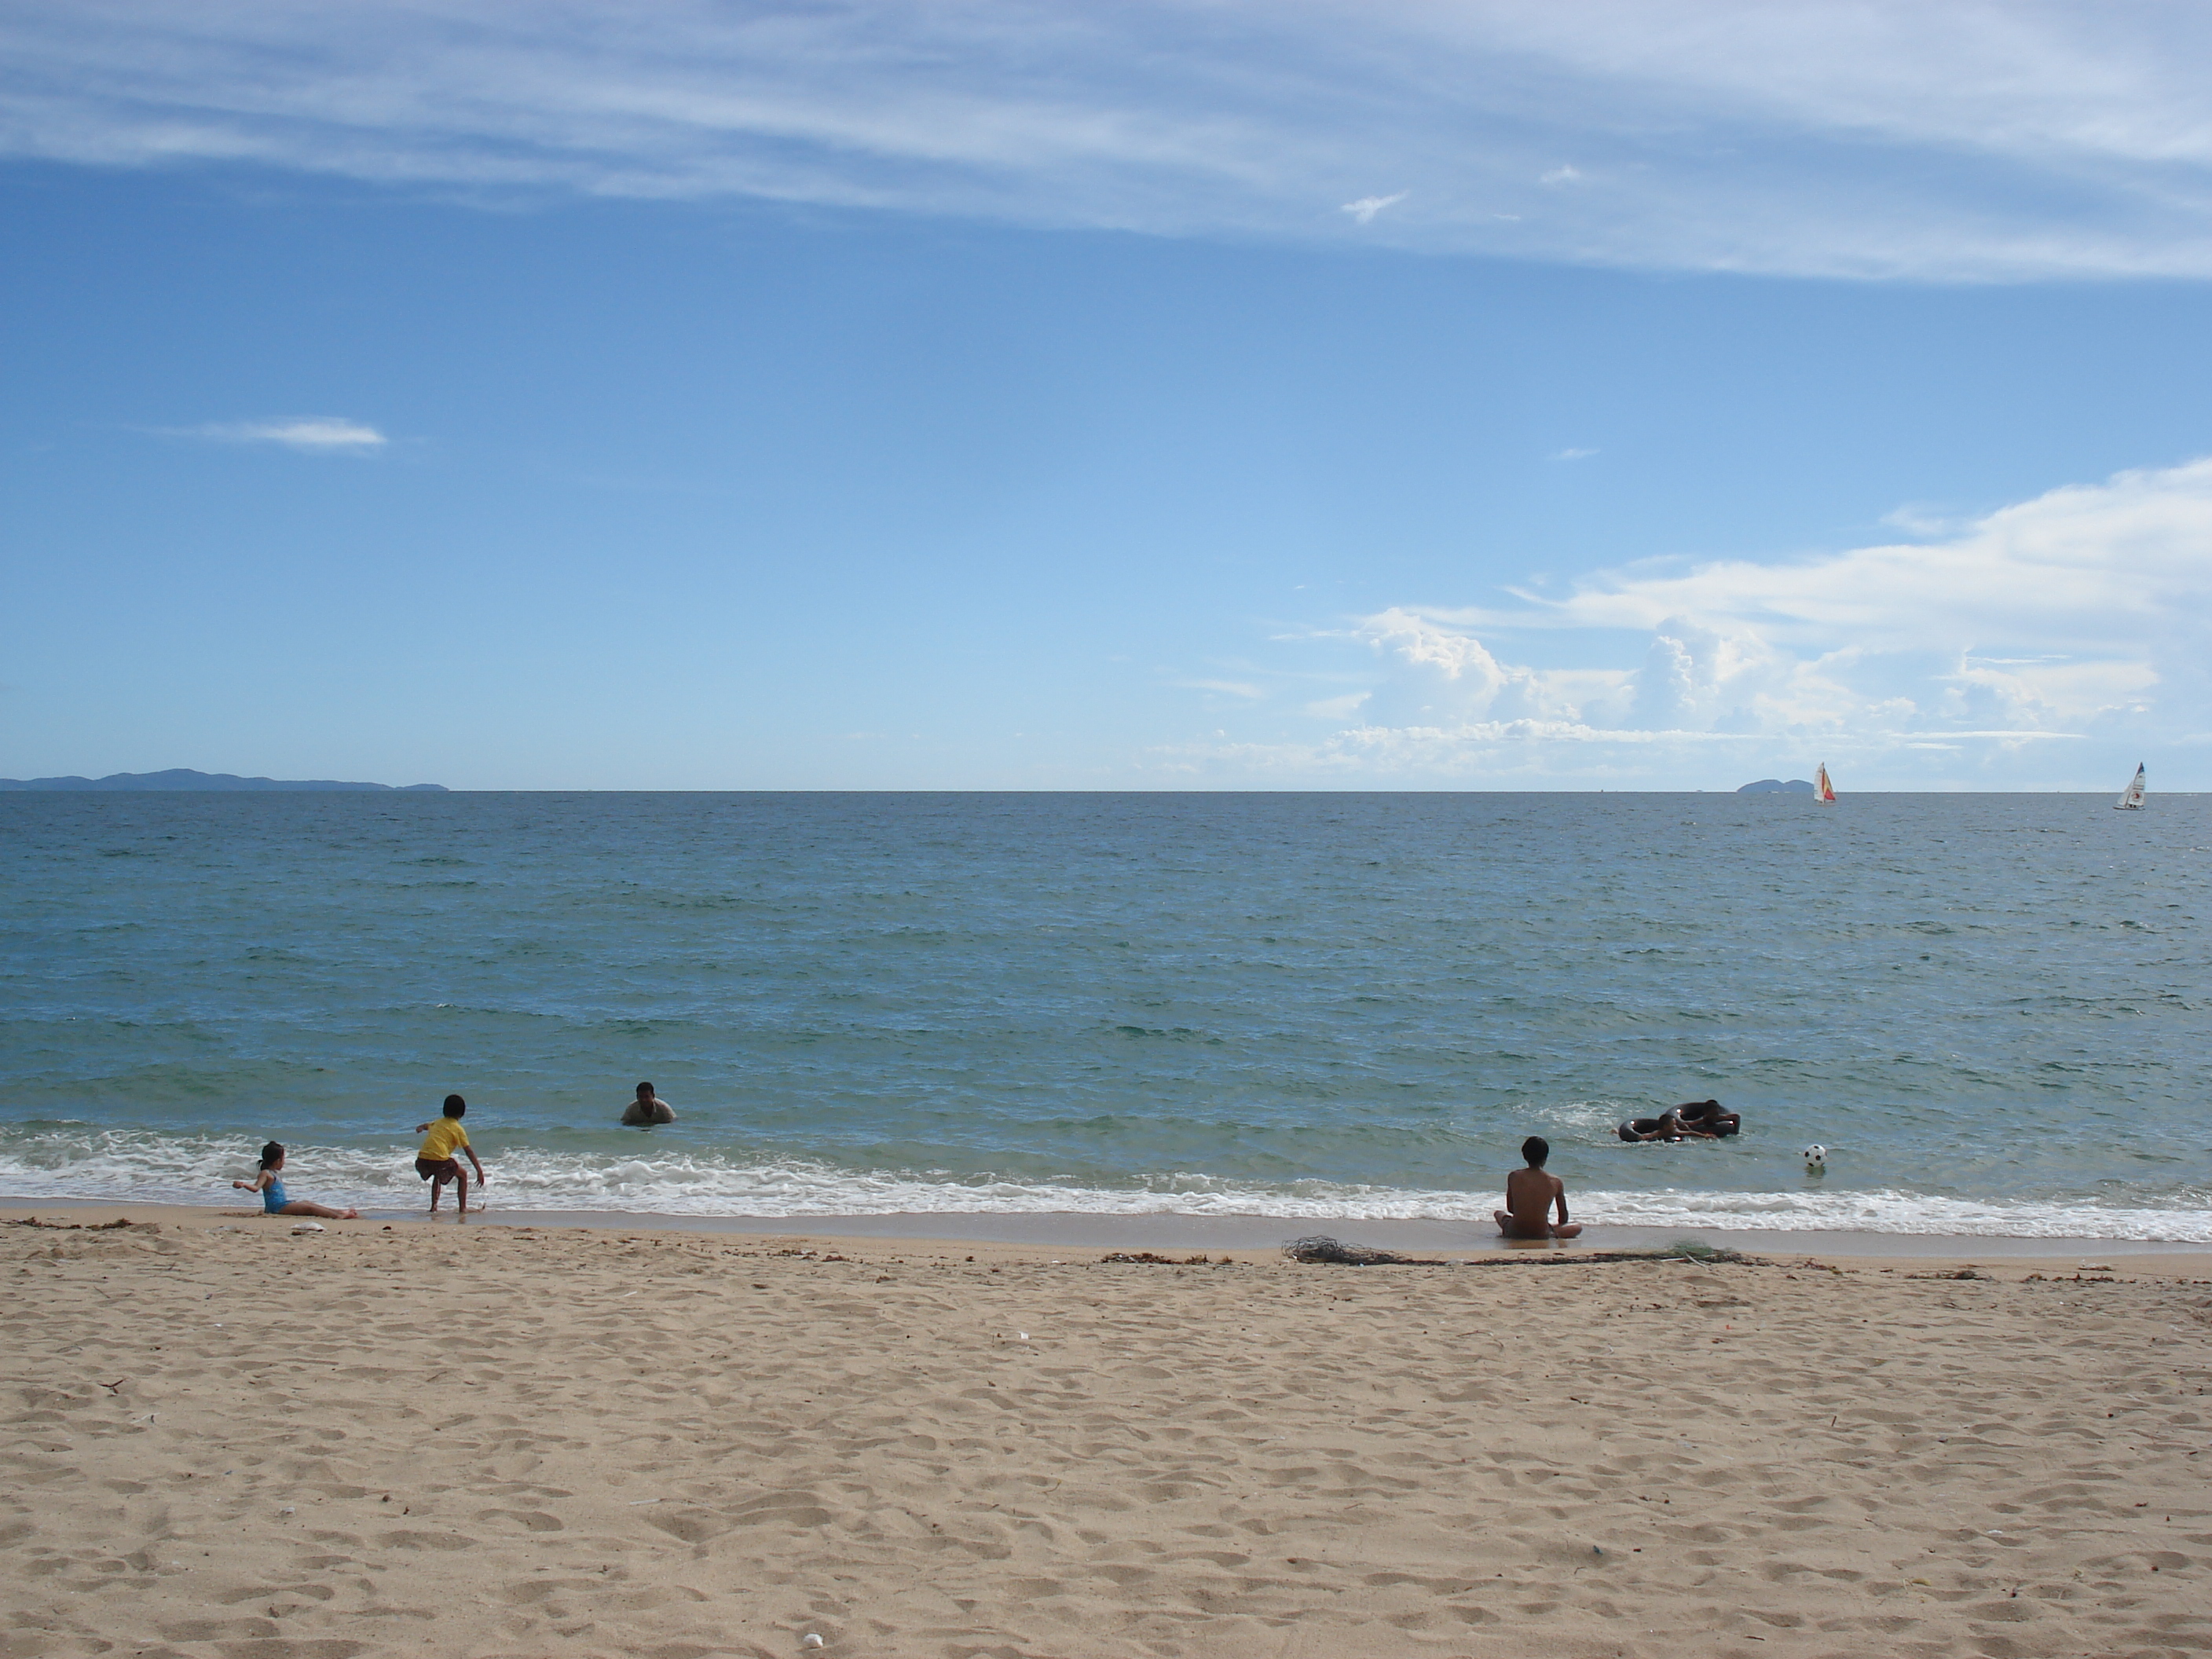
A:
<point x="389" y="1438"/>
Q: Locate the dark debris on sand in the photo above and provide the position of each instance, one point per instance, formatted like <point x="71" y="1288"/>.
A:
<point x="1569" y="1258"/>
<point x="85" y="1226"/>
<point x="1322" y="1249"/>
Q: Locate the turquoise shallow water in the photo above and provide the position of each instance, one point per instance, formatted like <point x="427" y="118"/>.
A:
<point x="1991" y="1009"/>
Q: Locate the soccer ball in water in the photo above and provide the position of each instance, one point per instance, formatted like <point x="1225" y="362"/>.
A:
<point x="1816" y="1159"/>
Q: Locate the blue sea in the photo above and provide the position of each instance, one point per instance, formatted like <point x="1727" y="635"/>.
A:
<point x="1991" y="1009"/>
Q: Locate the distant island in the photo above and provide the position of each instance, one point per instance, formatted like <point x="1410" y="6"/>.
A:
<point x="1776" y="786"/>
<point x="185" y="778"/>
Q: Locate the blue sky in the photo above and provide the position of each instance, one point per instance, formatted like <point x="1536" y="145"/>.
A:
<point x="1042" y="396"/>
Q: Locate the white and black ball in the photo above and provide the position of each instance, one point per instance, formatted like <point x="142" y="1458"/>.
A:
<point x="1816" y="1159"/>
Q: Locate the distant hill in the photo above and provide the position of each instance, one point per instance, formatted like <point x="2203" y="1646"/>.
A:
<point x="1776" y="786"/>
<point x="183" y="778"/>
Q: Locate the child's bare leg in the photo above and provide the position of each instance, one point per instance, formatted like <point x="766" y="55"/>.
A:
<point x="1569" y="1231"/>
<point x="301" y="1207"/>
<point x="461" y="1190"/>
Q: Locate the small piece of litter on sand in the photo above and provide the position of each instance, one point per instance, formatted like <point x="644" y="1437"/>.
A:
<point x="1021" y="1336"/>
<point x="809" y="1640"/>
<point x="288" y="1509"/>
<point x="635" y="1502"/>
<point x="310" y="1227"/>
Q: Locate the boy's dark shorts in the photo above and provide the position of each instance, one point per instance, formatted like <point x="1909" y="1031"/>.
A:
<point x="428" y="1167"/>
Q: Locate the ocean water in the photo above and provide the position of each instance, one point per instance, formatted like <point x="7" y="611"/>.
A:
<point x="1992" y="1009"/>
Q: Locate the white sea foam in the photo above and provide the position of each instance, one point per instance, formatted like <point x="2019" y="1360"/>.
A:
<point x="88" y="1164"/>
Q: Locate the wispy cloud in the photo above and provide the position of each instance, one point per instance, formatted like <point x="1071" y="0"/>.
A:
<point x="1917" y="518"/>
<point x="1885" y="138"/>
<point x="1364" y="210"/>
<point x="2076" y="572"/>
<point x="1337" y="709"/>
<point x="1572" y="454"/>
<point x="2049" y="633"/>
<point x="316" y="434"/>
<point x="1226" y="688"/>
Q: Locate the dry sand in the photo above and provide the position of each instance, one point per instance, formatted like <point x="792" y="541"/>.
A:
<point x="223" y="1439"/>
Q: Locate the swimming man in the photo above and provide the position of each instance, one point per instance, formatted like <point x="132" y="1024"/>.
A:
<point x="648" y="1110"/>
<point x="1704" y="1120"/>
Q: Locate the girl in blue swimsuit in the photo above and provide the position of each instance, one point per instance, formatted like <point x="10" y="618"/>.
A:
<point x="269" y="1183"/>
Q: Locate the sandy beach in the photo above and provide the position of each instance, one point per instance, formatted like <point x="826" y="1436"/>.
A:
<point x="227" y="1439"/>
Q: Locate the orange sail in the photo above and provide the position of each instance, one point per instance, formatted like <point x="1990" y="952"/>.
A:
<point x="1823" y="791"/>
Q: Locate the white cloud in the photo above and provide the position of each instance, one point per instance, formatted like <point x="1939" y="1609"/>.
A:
<point x="1367" y="207"/>
<point x="1917" y="518"/>
<point x="1886" y="137"/>
<point x="2082" y="568"/>
<point x="1337" y="709"/>
<point x="317" y="434"/>
<point x="2050" y="642"/>
<point x="1226" y="688"/>
<point x="1572" y="454"/>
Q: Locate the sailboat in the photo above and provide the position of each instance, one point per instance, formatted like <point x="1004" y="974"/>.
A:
<point x="2131" y="798"/>
<point x="1823" y="791"/>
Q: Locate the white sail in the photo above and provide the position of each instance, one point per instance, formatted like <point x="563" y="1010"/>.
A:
<point x="2131" y="798"/>
<point x="1823" y="791"/>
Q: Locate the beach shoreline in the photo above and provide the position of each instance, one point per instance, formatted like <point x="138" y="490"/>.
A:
<point x="233" y="1438"/>
<point x="1030" y="1235"/>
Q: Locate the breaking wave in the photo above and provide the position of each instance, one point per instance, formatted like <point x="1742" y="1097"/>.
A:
<point x="82" y="1163"/>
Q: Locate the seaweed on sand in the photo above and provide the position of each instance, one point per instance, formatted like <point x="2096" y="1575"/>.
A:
<point x="1321" y="1248"/>
<point x="124" y="1225"/>
<point x="1572" y="1258"/>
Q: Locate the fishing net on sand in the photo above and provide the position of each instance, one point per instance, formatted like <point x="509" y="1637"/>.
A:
<point x="1321" y="1248"/>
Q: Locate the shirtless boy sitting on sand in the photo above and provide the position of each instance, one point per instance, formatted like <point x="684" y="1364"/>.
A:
<point x="1529" y="1195"/>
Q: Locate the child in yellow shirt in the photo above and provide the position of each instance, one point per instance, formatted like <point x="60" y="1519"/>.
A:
<point x="435" y="1162"/>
